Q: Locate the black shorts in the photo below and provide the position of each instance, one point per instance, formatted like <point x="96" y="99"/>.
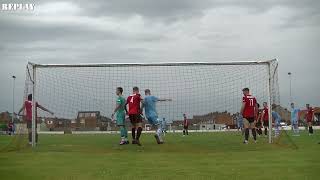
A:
<point x="135" y="118"/>
<point x="185" y="127"/>
<point x="265" y="123"/>
<point x="251" y="120"/>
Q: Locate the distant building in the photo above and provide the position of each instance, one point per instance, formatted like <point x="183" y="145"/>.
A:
<point x="216" y="120"/>
<point x="88" y="120"/>
<point x="5" y="117"/>
<point x="57" y="124"/>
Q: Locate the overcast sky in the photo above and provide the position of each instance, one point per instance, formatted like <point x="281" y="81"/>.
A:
<point x="161" y="31"/>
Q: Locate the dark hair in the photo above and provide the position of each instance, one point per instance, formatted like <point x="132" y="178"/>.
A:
<point x="120" y="89"/>
<point x="274" y="106"/>
<point x="135" y="88"/>
<point x="245" y="89"/>
<point x="29" y="97"/>
<point x="147" y="91"/>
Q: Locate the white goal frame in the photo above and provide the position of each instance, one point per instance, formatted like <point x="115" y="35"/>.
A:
<point x="164" y="64"/>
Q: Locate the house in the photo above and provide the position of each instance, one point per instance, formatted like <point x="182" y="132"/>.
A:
<point x="5" y="117"/>
<point x="88" y="120"/>
<point x="57" y="124"/>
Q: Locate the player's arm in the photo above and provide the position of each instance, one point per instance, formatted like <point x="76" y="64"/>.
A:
<point x="141" y="106"/>
<point x="44" y="109"/>
<point x="22" y="108"/>
<point x="125" y="106"/>
<point x="312" y="116"/>
<point x="164" y="99"/>
<point x="115" y="110"/>
<point x="256" y="111"/>
<point x="262" y="115"/>
<point x="118" y="106"/>
<point x="242" y="108"/>
<point x="259" y="116"/>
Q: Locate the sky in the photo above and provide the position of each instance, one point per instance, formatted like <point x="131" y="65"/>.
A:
<point x="151" y="31"/>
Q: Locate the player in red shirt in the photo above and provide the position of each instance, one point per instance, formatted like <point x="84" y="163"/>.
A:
<point x="265" y="118"/>
<point x="10" y="128"/>
<point x="27" y="108"/>
<point x="185" y="125"/>
<point x="249" y="111"/>
<point x="134" y="103"/>
<point x="309" y="117"/>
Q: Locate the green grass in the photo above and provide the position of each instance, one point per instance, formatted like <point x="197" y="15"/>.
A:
<point x="198" y="156"/>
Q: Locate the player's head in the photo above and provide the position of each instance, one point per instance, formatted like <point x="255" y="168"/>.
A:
<point x="119" y="91"/>
<point x="245" y="91"/>
<point x="147" y="92"/>
<point x="184" y="115"/>
<point x="265" y="104"/>
<point x="29" y="97"/>
<point x="292" y="105"/>
<point x="135" y="90"/>
<point x="274" y="106"/>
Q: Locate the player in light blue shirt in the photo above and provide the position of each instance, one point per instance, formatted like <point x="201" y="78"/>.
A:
<point x="164" y="126"/>
<point x="295" y="119"/>
<point x="276" y="119"/>
<point x="149" y="105"/>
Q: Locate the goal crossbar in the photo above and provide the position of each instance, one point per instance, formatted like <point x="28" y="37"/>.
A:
<point x="154" y="64"/>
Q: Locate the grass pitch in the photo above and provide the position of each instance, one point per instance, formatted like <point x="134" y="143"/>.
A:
<point x="197" y="156"/>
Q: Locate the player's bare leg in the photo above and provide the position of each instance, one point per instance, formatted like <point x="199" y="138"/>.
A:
<point x="253" y="129"/>
<point x="310" y="128"/>
<point x="246" y="130"/>
<point x="139" y="131"/>
<point x="133" y="133"/>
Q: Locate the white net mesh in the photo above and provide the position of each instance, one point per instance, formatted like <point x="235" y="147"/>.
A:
<point x="195" y="88"/>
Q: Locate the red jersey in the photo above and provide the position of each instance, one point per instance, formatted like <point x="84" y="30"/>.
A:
<point x="266" y="114"/>
<point x="134" y="104"/>
<point x="310" y="115"/>
<point x="185" y="122"/>
<point x="250" y="105"/>
<point x="28" y="107"/>
<point x="10" y="125"/>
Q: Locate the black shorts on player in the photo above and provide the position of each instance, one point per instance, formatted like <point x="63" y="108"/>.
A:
<point x="135" y="118"/>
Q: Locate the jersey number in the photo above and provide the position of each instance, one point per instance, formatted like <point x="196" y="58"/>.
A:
<point x="131" y="101"/>
<point x="251" y="102"/>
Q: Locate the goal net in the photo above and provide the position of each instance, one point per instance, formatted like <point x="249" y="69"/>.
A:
<point x="82" y="96"/>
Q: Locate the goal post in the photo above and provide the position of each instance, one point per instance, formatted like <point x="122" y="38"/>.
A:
<point x="202" y="90"/>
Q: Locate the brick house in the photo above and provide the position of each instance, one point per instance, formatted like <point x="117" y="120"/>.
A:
<point x="88" y="120"/>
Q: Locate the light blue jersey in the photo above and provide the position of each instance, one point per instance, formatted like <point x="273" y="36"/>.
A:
<point x="294" y="115"/>
<point x="276" y="117"/>
<point x="150" y="109"/>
